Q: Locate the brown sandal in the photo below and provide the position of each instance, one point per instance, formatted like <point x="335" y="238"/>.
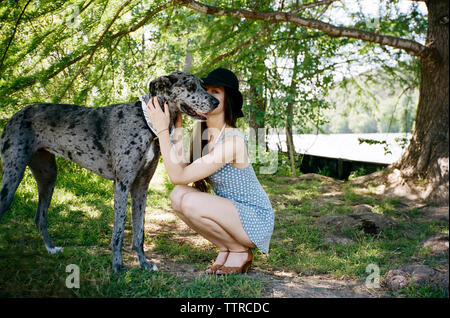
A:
<point x="237" y="270"/>
<point x="214" y="267"/>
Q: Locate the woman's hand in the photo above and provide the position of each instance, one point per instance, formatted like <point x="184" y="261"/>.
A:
<point x="159" y="118"/>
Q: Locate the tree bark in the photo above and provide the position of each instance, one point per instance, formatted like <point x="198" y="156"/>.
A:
<point x="427" y="156"/>
<point x="290" y="115"/>
<point x="258" y="108"/>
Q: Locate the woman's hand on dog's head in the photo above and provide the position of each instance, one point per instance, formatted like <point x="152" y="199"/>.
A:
<point x="159" y="118"/>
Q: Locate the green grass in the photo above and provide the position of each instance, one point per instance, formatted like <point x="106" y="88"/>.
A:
<point x="81" y="220"/>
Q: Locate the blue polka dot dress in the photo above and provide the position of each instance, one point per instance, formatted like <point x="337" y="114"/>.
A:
<point x="243" y="188"/>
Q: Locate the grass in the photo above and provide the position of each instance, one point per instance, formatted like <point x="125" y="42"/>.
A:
<point x="81" y="218"/>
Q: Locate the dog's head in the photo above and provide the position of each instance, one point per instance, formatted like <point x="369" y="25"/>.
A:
<point x="184" y="93"/>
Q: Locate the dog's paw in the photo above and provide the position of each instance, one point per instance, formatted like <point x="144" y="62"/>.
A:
<point x="119" y="268"/>
<point x="54" y="250"/>
<point x="149" y="266"/>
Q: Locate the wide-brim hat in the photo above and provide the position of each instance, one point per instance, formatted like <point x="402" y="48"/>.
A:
<point x="227" y="79"/>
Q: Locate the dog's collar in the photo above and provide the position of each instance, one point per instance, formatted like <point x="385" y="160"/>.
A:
<point x="144" y="100"/>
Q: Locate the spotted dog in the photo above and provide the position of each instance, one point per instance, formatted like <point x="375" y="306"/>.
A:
<point x="114" y="141"/>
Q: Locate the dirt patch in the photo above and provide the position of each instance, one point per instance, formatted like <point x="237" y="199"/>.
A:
<point x="283" y="284"/>
<point x="392" y="182"/>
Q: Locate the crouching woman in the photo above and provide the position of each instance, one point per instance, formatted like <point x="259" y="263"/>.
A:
<point x="239" y="216"/>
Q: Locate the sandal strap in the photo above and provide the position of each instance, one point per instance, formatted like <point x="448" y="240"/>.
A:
<point x="240" y="252"/>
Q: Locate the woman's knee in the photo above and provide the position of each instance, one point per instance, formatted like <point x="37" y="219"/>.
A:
<point x="188" y="205"/>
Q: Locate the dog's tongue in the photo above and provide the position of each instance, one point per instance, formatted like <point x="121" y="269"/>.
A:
<point x="203" y="114"/>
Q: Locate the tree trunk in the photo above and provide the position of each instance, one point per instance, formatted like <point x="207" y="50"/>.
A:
<point x="256" y="113"/>
<point x="427" y="156"/>
<point x="290" y="114"/>
<point x="290" y="145"/>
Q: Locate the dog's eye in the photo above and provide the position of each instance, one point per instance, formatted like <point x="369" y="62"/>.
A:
<point x="191" y="87"/>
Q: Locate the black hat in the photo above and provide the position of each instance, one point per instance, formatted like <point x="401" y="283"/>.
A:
<point x="227" y="79"/>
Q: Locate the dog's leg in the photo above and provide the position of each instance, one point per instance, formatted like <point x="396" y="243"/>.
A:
<point x="15" y="156"/>
<point x="139" y="199"/>
<point x="43" y="167"/>
<point x="121" y="191"/>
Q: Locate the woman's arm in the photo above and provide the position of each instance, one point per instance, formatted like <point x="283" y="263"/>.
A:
<point x="179" y="173"/>
<point x="225" y="152"/>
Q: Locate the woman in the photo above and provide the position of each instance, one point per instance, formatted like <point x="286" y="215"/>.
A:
<point x="239" y="216"/>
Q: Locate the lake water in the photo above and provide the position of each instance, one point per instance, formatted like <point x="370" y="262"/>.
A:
<point x="344" y="146"/>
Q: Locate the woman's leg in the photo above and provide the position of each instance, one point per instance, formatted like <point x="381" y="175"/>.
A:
<point x="215" y="218"/>
<point x="176" y="197"/>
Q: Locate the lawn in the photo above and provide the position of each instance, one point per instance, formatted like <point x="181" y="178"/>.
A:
<point x="81" y="220"/>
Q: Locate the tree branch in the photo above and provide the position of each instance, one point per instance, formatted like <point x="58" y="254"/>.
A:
<point x="145" y="20"/>
<point x="14" y="33"/>
<point x="313" y="5"/>
<point x="96" y="46"/>
<point x="239" y="47"/>
<point x="409" y="46"/>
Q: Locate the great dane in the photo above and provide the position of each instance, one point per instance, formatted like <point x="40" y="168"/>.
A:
<point x="114" y="141"/>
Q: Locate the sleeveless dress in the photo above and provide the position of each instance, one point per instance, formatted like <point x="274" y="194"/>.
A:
<point x="243" y="188"/>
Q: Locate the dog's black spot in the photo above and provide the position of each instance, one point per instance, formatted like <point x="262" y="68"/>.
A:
<point x="79" y="153"/>
<point x="99" y="145"/>
<point x="120" y="115"/>
<point x="72" y="125"/>
<point x="5" y="145"/>
<point x="116" y="242"/>
<point x="25" y="124"/>
<point x="100" y="170"/>
<point x="127" y="152"/>
<point x="132" y="142"/>
<point x="4" y="192"/>
<point x="123" y="188"/>
<point x="173" y="79"/>
<point x="69" y="154"/>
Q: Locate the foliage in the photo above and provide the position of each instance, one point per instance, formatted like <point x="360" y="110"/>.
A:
<point x="101" y="52"/>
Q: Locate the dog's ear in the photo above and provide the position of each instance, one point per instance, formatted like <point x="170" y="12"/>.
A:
<point x="161" y="84"/>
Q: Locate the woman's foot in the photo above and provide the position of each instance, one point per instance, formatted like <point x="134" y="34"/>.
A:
<point x="218" y="263"/>
<point x="237" y="262"/>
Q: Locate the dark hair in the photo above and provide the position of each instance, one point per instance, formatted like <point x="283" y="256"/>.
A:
<point x="198" y="142"/>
